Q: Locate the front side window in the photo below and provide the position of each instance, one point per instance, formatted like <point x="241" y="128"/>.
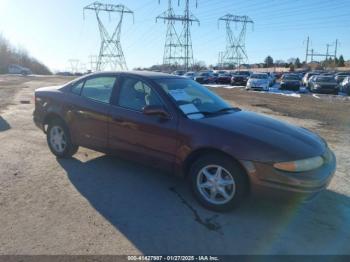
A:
<point x="99" y="88"/>
<point x="135" y="94"/>
<point x="191" y="98"/>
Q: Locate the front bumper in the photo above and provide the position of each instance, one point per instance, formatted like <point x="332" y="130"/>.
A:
<point x="292" y="86"/>
<point x="265" y="178"/>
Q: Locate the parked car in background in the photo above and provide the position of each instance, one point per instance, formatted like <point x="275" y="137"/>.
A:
<point x="224" y="78"/>
<point x="205" y="78"/>
<point x="215" y="77"/>
<point x="179" y="72"/>
<point x="345" y="86"/>
<point x="175" y="124"/>
<point x="307" y="77"/>
<point x="278" y="75"/>
<point x="219" y="72"/>
<point x="240" y="78"/>
<point x="259" y="81"/>
<point x="311" y="80"/>
<point x="290" y="82"/>
<point x="339" y="77"/>
<point x="20" y="70"/>
<point x="273" y="78"/>
<point x="324" y="84"/>
<point x="190" y="75"/>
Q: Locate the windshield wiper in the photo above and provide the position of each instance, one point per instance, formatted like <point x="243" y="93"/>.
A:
<point x="207" y="113"/>
<point x="226" y="109"/>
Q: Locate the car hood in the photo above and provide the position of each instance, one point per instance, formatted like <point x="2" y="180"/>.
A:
<point x="258" y="138"/>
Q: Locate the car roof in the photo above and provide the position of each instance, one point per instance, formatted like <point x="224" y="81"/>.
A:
<point x="145" y="74"/>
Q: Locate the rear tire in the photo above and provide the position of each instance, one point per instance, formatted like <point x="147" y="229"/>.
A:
<point x="59" y="140"/>
<point x="218" y="182"/>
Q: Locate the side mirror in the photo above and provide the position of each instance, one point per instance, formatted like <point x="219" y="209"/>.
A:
<point x="156" y="110"/>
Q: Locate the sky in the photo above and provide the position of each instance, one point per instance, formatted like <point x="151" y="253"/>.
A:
<point x="55" y="31"/>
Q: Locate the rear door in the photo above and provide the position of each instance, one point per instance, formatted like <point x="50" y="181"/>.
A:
<point x="149" y="139"/>
<point x="90" y="111"/>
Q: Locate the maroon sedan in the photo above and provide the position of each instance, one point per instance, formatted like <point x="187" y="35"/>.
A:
<point x="176" y="124"/>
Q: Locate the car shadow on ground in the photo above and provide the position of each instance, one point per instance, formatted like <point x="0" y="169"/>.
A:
<point x="4" y="125"/>
<point x="157" y="213"/>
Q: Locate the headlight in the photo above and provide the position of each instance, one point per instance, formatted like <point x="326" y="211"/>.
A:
<point x="300" y="165"/>
<point x="317" y="86"/>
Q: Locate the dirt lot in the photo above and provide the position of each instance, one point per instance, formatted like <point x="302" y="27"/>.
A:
<point x="94" y="204"/>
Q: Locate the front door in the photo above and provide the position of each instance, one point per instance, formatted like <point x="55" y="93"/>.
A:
<point x="150" y="139"/>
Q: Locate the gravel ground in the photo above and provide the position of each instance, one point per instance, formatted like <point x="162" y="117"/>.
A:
<point x="95" y="204"/>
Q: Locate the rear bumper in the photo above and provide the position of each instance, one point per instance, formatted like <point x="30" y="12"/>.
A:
<point x="268" y="180"/>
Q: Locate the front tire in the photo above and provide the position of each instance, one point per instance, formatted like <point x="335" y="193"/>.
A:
<point x="218" y="182"/>
<point x="59" y="140"/>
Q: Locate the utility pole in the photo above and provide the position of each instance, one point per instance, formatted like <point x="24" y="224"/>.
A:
<point x="307" y="49"/>
<point x="111" y="54"/>
<point x="327" y="55"/>
<point x="235" y="53"/>
<point x="336" y="48"/>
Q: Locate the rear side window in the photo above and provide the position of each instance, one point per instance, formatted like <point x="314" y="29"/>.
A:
<point x="99" y="88"/>
<point x="76" y="88"/>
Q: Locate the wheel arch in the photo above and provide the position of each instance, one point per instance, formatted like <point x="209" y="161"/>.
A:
<point x="196" y="154"/>
<point x="50" y="117"/>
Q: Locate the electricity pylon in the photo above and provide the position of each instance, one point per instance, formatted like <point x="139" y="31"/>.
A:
<point x="187" y="21"/>
<point x="178" y="48"/>
<point x="111" y="54"/>
<point x="172" y="47"/>
<point x="74" y="65"/>
<point x="235" y="53"/>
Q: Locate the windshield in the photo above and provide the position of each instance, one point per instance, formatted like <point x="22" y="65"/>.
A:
<point x="259" y="76"/>
<point x="325" y="79"/>
<point x="290" y="77"/>
<point x="242" y="73"/>
<point x="192" y="98"/>
<point x="204" y="74"/>
<point x="311" y="75"/>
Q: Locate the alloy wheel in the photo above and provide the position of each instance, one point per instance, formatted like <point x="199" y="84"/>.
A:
<point x="216" y="184"/>
<point x="58" y="139"/>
